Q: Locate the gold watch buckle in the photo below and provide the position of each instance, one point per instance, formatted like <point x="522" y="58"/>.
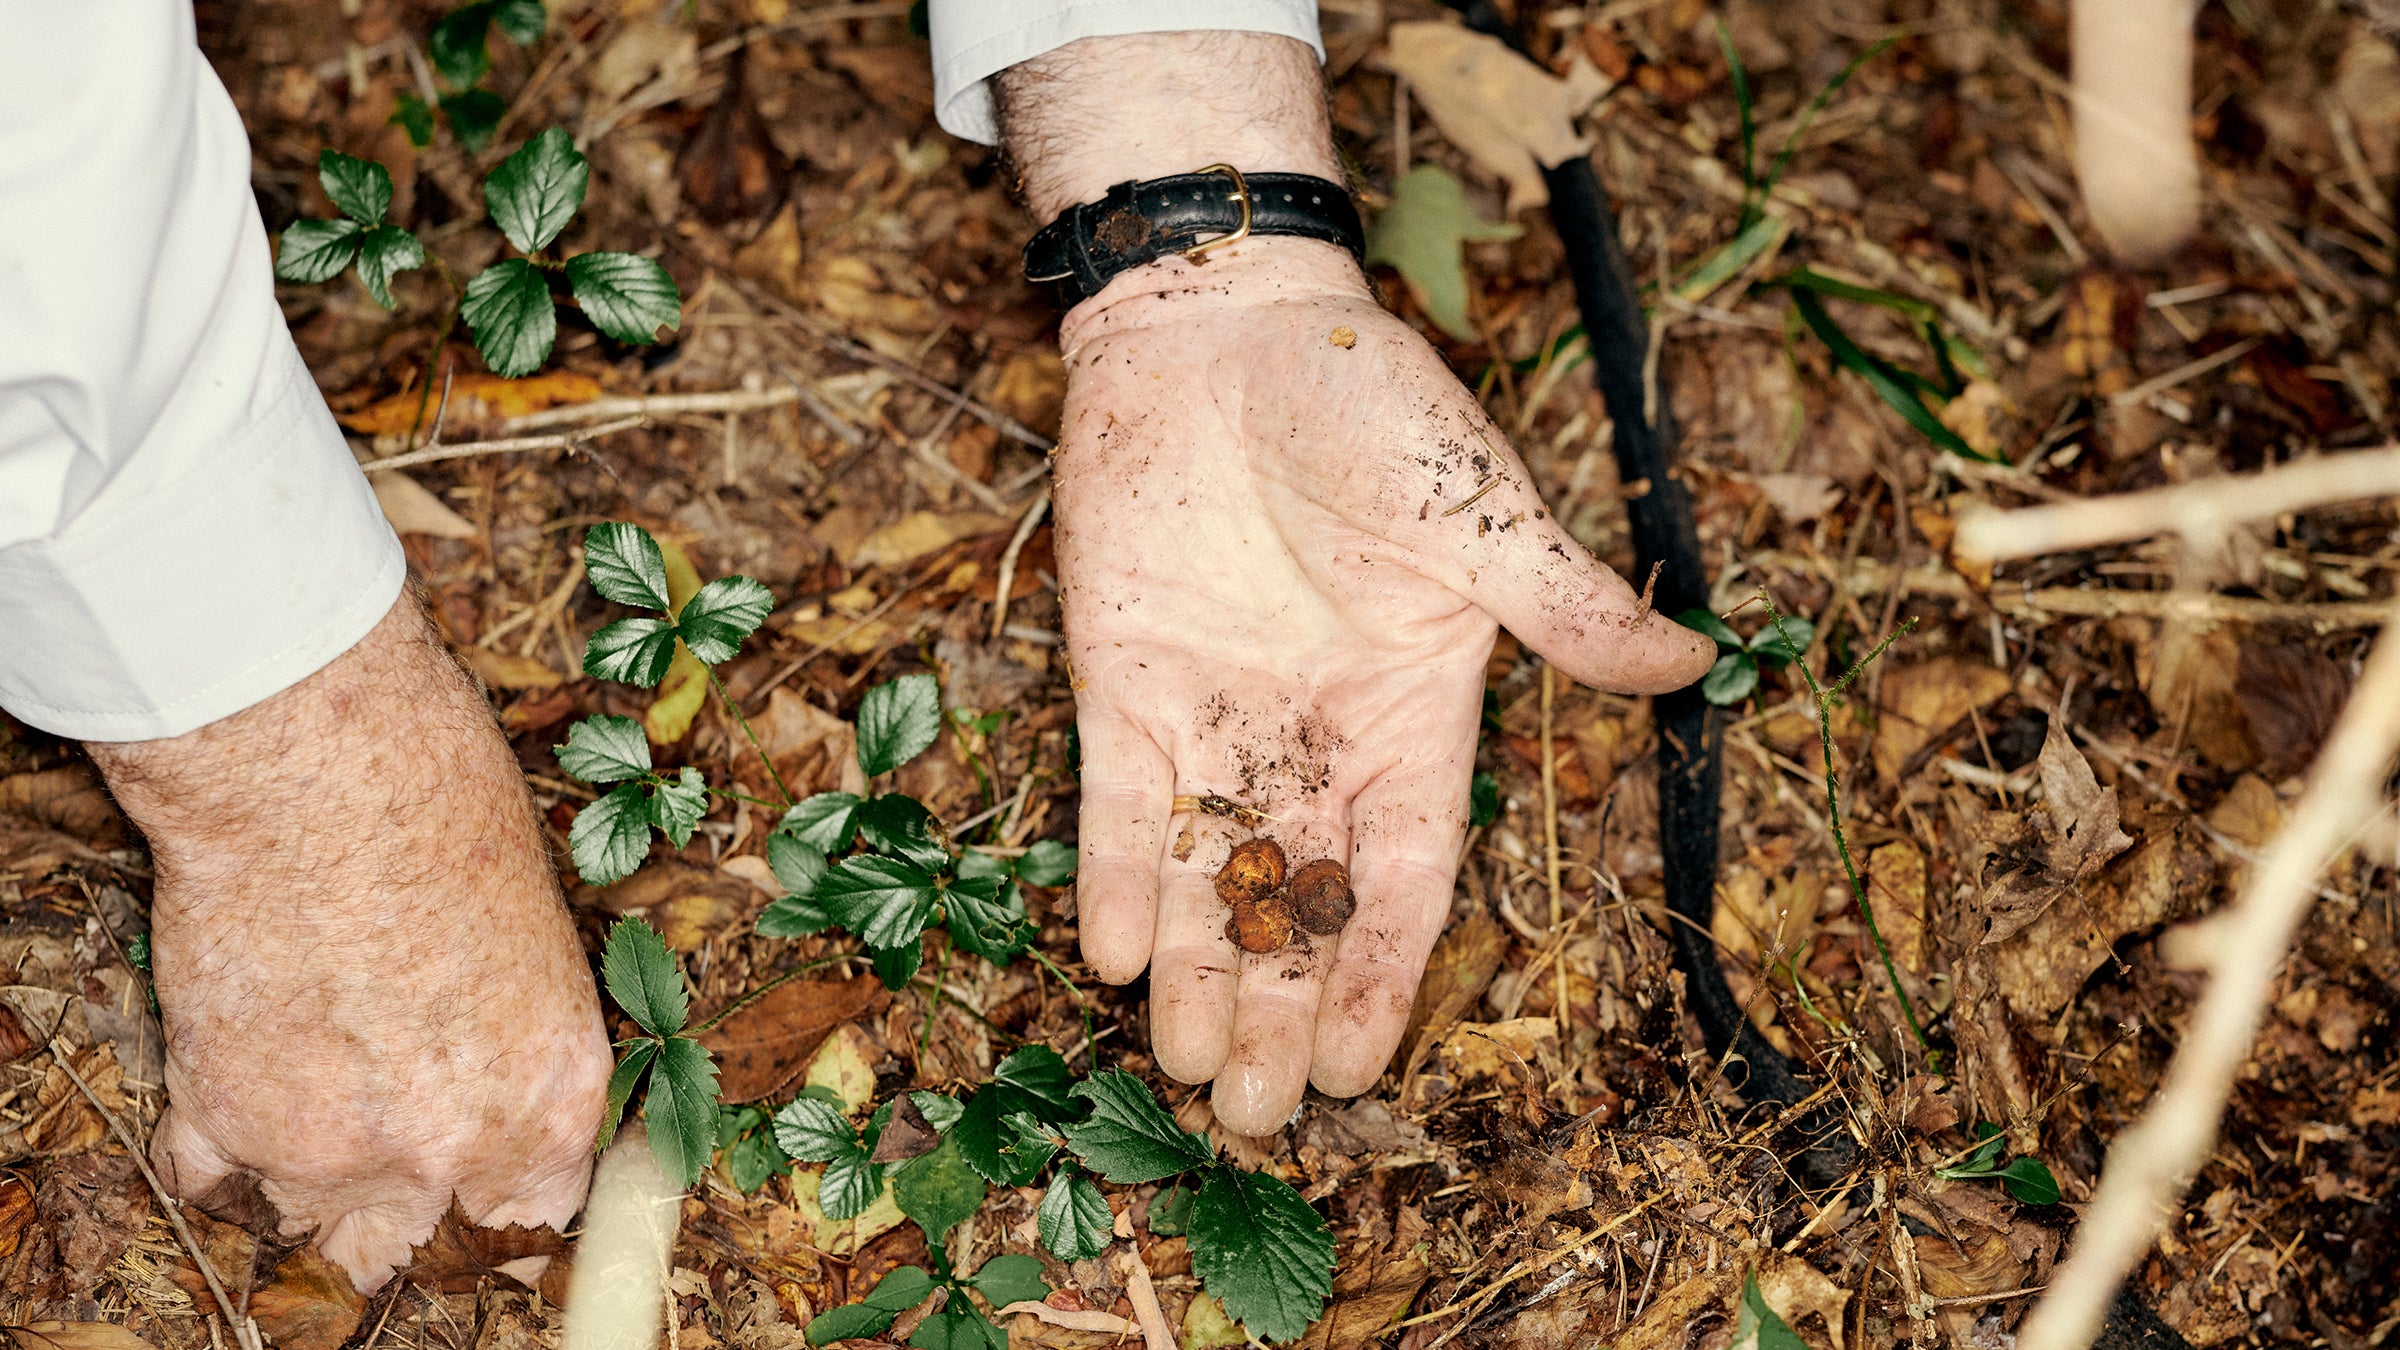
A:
<point x="1241" y="193"/>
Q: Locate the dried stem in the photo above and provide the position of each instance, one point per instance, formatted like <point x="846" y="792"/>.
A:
<point x="566" y="440"/>
<point x="2150" y="1164"/>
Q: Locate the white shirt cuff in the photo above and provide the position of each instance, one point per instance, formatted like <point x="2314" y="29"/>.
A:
<point x="974" y="40"/>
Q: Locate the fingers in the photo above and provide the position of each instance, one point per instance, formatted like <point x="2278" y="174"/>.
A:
<point x="1127" y="790"/>
<point x="1581" y="616"/>
<point x="1195" y="968"/>
<point x="1275" y="1005"/>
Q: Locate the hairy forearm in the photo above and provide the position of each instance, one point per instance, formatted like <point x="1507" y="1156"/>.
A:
<point x="1100" y="111"/>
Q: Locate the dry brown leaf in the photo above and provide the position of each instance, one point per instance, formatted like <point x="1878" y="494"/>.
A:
<point x="731" y="169"/>
<point x="774" y="257"/>
<point x="1369" y="1293"/>
<point x="2190" y="686"/>
<point x="506" y="670"/>
<point x="460" y="1254"/>
<point x="2078" y="818"/>
<point x="1921" y="701"/>
<point x="75" y="1336"/>
<point x="17" y="1212"/>
<point x="1896" y="887"/>
<point x="2043" y="965"/>
<point x="301" y="1302"/>
<point x="1667" y="1324"/>
<point x="2289" y="697"/>
<point x="70" y="799"/>
<point x="1509" y="115"/>
<point x="476" y="402"/>
<point x="1795" y="1289"/>
<point x="921" y="532"/>
<point x="411" y="508"/>
<point x="96" y="1204"/>
<point x="1460" y="969"/>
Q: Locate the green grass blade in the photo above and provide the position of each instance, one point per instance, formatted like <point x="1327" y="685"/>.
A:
<point x="1890" y="384"/>
<point x="1741" y="100"/>
<point x="1816" y="105"/>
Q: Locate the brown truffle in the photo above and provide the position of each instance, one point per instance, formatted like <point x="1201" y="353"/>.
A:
<point x="1321" y="898"/>
<point x="1262" y="925"/>
<point x="1253" y="872"/>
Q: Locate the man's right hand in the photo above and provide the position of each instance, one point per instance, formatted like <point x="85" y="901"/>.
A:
<point x="374" y="999"/>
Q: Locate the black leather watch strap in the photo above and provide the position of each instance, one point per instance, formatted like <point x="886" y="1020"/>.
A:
<point x="1141" y="222"/>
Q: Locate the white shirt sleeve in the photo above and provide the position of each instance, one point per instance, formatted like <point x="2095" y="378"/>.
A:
<point x="974" y="40"/>
<point x="183" y="531"/>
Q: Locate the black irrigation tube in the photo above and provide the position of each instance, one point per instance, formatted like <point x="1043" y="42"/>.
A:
<point x="1691" y="733"/>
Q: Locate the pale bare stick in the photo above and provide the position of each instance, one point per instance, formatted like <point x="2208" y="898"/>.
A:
<point x="564" y="440"/>
<point x="1008" y="560"/>
<point x="655" y="405"/>
<point x="2150" y="1164"/>
<point x="244" y="1332"/>
<point x="2199" y="510"/>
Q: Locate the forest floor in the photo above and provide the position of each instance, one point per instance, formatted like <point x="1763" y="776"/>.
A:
<point x="852" y="271"/>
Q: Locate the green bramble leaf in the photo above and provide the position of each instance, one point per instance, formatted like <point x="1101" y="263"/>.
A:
<point x="939" y="1111"/>
<point x="1012" y="1278"/>
<point x="986" y="916"/>
<point x="812" y="1130"/>
<point x="899" y="826"/>
<point x="797" y="866"/>
<point x="957" y="1327"/>
<point x="2030" y="1181"/>
<point x="605" y="749"/>
<point x="938" y="1190"/>
<point x="1050" y="862"/>
<point x="1731" y="679"/>
<point x="631" y="651"/>
<point x="456" y="43"/>
<point x="624" y="564"/>
<point x="1042" y="1074"/>
<point x="793" y="917"/>
<point x="720" y="614"/>
<point x="896" y="966"/>
<point x="474" y="116"/>
<point x="1770" y="646"/>
<point x="851" y="1183"/>
<point x="625" y="295"/>
<point x="137" y="953"/>
<point x="1756" y="1326"/>
<point x="850" y="1322"/>
<point x="620" y="1088"/>
<point x="677" y="804"/>
<point x="642" y="977"/>
<point x="359" y="188"/>
<point x="998" y="1152"/>
<point x="1483" y="800"/>
<point x="507" y="306"/>
<point x="822" y="822"/>
<point x="385" y="252"/>
<point x="754" y="1160"/>
<point x="1130" y="1138"/>
<point x="1264" y="1253"/>
<point x="897" y="720"/>
<point x="1171" y="1211"/>
<point x="901" y="1290"/>
<point x="1706" y="623"/>
<point x="611" y="836"/>
<point x="316" y="250"/>
<point x="883" y="900"/>
<point x="536" y="191"/>
<point x="413" y="115"/>
<point x="682" y="1110"/>
<point x="522" y="20"/>
<point x="1074" y="1219"/>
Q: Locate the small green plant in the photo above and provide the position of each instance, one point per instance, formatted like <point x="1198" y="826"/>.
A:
<point x="1735" y="675"/>
<point x="459" y="48"/>
<point x="508" y="306"/>
<point x="643" y="978"/>
<point x="2027" y="1178"/>
<point x="1756" y="1324"/>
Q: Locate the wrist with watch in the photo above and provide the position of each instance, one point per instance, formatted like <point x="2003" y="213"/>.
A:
<point x="1186" y="215"/>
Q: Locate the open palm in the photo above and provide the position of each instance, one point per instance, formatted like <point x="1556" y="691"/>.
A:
<point x="1287" y="537"/>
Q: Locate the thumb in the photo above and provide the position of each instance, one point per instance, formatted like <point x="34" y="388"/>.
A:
<point x="1580" y="616"/>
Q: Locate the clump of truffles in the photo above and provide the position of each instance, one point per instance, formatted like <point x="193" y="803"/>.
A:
<point x="1252" y="883"/>
<point x="1321" y="898"/>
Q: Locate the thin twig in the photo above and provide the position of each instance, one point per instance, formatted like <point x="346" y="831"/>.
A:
<point x="1473" y="497"/>
<point x="768" y="988"/>
<point x="567" y="440"/>
<point x="1550" y="838"/>
<point x="242" y="1332"/>
<point x="2150" y="1164"/>
<point x="1008" y="560"/>
<point x="655" y="405"/>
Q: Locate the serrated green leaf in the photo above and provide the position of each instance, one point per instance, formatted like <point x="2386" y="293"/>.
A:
<point x="611" y="836"/>
<point x="1013" y="1278"/>
<point x="823" y="822"/>
<point x="456" y="44"/>
<point x="957" y="1327"/>
<point x="896" y="966"/>
<point x="677" y="804"/>
<point x="883" y="900"/>
<point x="1171" y="1211"/>
<point x="733" y="1121"/>
<point x="975" y="862"/>
<point x="1050" y="862"/>
<point x="990" y="1144"/>
<point x="358" y="188"/>
<point x="1771" y="646"/>
<point x="1043" y="1075"/>
<point x="853" y="1321"/>
<point x="1423" y="233"/>
<point x="720" y="614"/>
<point x="624" y="563"/>
<point x="522" y="20"/>
<point x="385" y="252"/>
<point x="2030" y="1181"/>
<point x="899" y="826"/>
<point x="507" y="306"/>
<point x="939" y="1111"/>
<point x="1706" y="623"/>
<point x="605" y="749"/>
<point x="1483" y="799"/>
<point x="474" y="116"/>
<point x="986" y="916"/>
<point x="642" y="977"/>
<point x="631" y="651"/>
<point x="754" y="1161"/>
<point x="797" y="866"/>
<point x="1756" y="1326"/>
<point x="793" y="917"/>
<point x="316" y="250"/>
<point x="813" y="1130"/>
<point x="903" y="1289"/>
<point x="897" y="720"/>
<point x="413" y="115"/>
<point x="682" y="1109"/>
<point x="938" y="1190"/>
<point x="1074" y="1219"/>
<point x="620" y="1088"/>
<point x="1130" y="1138"/>
<point x="1264" y="1253"/>
<point x="850" y="1185"/>
<point x="1731" y="679"/>
<point x="536" y="191"/>
<point x="627" y="296"/>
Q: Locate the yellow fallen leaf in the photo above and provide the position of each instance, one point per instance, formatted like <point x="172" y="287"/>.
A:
<point x="502" y="670"/>
<point x="74" y="1336"/>
<point x="413" y="509"/>
<point x="921" y="532"/>
<point x="1206" y="1327"/>
<point x="685" y="689"/>
<point x="847" y="636"/>
<point x="841" y="1237"/>
<point x="475" y="399"/>
<point x="845" y="1065"/>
